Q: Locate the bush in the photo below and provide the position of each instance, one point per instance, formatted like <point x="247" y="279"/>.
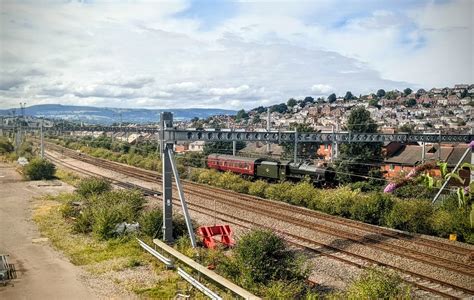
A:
<point x="372" y="208"/>
<point x="410" y="215"/>
<point x="129" y="203"/>
<point x="258" y="188"/>
<point x="105" y="220"/>
<point x="5" y="146"/>
<point x="338" y="202"/>
<point x="84" y="221"/>
<point x="414" y="190"/>
<point x="364" y="186"/>
<point x="92" y="186"/>
<point x="279" y="191"/>
<point x="151" y="223"/>
<point x="102" y="212"/>
<point x="208" y="177"/>
<point x="449" y="218"/>
<point x="38" y="169"/>
<point x="378" y="284"/>
<point x="261" y="256"/>
<point x="302" y="193"/>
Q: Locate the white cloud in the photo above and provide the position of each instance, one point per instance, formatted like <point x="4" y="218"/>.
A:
<point x="229" y="91"/>
<point x="321" y="89"/>
<point x="143" y="54"/>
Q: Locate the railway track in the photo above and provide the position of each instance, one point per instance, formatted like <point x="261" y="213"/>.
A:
<point x="268" y="209"/>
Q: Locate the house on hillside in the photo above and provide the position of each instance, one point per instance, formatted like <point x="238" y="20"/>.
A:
<point x="403" y="159"/>
<point x="197" y="146"/>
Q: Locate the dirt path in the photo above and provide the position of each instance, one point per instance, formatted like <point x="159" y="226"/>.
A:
<point x="42" y="272"/>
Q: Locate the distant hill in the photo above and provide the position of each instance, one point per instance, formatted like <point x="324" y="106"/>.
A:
<point x="106" y="115"/>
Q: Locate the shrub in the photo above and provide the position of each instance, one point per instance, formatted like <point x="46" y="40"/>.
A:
<point x="302" y="193"/>
<point x="5" y="146"/>
<point x="129" y="203"/>
<point x="372" y="208"/>
<point x="364" y="186"/>
<point x="208" y="177"/>
<point x="26" y="149"/>
<point x="68" y="210"/>
<point x="258" y="188"/>
<point x="84" y="220"/>
<point x="151" y="223"/>
<point x="194" y="175"/>
<point x="279" y="191"/>
<point x="104" y="211"/>
<point x="105" y="220"/>
<point x="261" y="256"/>
<point x="449" y="218"/>
<point x="378" y="284"/>
<point x="92" y="186"/>
<point x="414" y="190"/>
<point x="410" y="215"/>
<point x="338" y="202"/>
<point x="38" y="169"/>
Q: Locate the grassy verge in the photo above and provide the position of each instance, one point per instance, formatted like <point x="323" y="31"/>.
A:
<point x="118" y="259"/>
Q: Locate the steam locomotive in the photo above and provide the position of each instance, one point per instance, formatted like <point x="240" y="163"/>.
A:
<point x="271" y="169"/>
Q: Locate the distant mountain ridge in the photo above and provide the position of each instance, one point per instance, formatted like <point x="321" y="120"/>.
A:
<point x="108" y="115"/>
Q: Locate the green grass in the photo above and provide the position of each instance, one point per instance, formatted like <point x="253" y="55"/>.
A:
<point x="68" y="177"/>
<point x="81" y="249"/>
<point x="113" y="255"/>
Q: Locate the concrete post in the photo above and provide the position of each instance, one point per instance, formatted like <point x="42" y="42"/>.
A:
<point x="268" y="129"/>
<point x="423" y="150"/>
<point x="234" y="147"/>
<point x="295" y="154"/>
<point x="439" y="146"/>
<point x="167" y="122"/>
<point x="1" y="128"/>
<point x="336" y="145"/>
<point x="332" y="144"/>
<point x="42" y="140"/>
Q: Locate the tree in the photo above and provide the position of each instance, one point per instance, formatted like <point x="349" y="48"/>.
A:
<point x="241" y="114"/>
<point x="291" y="102"/>
<point x="380" y="93"/>
<point x="332" y="98"/>
<point x="374" y="103"/>
<point x="256" y="119"/>
<point x="308" y="100"/>
<point x="358" y="161"/>
<point x="392" y="95"/>
<point x="410" y="102"/>
<point x="406" y="128"/>
<point x="407" y="91"/>
<point x="348" y="96"/>
<point x="222" y="147"/>
<point x="259" y="109"/>
<point x="280" y="108"/>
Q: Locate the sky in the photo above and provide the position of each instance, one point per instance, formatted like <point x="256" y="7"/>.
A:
<point x="227" y="54"/>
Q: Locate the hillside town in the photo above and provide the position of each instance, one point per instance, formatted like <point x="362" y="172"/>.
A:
<point x="446" y="110"/>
